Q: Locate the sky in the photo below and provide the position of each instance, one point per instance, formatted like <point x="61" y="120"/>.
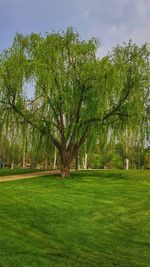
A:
<point x="112" y="21"/>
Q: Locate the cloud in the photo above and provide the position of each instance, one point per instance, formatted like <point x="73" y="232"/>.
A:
<point x="117" y="21"/>
<point x="113" y="21"/>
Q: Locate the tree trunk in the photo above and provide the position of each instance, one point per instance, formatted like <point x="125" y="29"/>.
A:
<point x="65" y="171"/>
<point x="12" y="164"/>
<point x="38" y="165"/>
<point x="55" y="159"/>
<point x="24" y="160"/>
<point x="76" y="162"/>
<point x="65" y="164"/>
<point x="67" y="156"/>
<point x="46" y="164"/>
<point x="127" y="164"/>
<point x="85" y="161"/>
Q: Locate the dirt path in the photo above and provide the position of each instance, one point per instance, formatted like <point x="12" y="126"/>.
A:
<point x="26" y="176"/>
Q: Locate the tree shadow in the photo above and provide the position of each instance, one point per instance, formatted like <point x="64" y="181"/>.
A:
<point x="100" y="174"/>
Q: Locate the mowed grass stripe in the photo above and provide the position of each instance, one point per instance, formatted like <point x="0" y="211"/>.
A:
<point x="92" y="219"/>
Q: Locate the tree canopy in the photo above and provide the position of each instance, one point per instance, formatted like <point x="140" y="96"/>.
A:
<point x="75" y="93"/>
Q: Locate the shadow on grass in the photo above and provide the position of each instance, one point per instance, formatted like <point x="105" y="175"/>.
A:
<point x="100" y="175"/>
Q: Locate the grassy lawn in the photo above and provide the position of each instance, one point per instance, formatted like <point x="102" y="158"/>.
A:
<point x="6" y="172"/>
<point x="99" y="218"/>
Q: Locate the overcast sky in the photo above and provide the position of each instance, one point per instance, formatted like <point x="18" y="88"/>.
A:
<point x="113" y="21"/>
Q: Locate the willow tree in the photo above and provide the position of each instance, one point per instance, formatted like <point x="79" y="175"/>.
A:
<point x="74" y="91"/>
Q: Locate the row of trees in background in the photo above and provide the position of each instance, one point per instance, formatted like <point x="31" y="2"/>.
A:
<point x="92" y="110"/>
<point x="22" y="147"/>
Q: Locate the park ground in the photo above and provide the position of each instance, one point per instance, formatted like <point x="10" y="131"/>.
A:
<point x="19" y="174"/>
<point x="6" y="172"/>
<point x="94" y="218"/>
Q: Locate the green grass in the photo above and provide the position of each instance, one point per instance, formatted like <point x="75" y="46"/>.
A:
<point x="99" y="218"/>
<point x="6" y="172"/>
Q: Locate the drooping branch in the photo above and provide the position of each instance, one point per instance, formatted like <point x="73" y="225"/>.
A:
<point x="32" y="122"/>
<point x="115" y="110"/>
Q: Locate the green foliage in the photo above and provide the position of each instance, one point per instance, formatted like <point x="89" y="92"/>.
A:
<point x="75" y="93"/>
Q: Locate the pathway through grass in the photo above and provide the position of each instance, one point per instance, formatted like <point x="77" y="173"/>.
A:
<point x="6" y="172"/>
<point x="27" y="175"/>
